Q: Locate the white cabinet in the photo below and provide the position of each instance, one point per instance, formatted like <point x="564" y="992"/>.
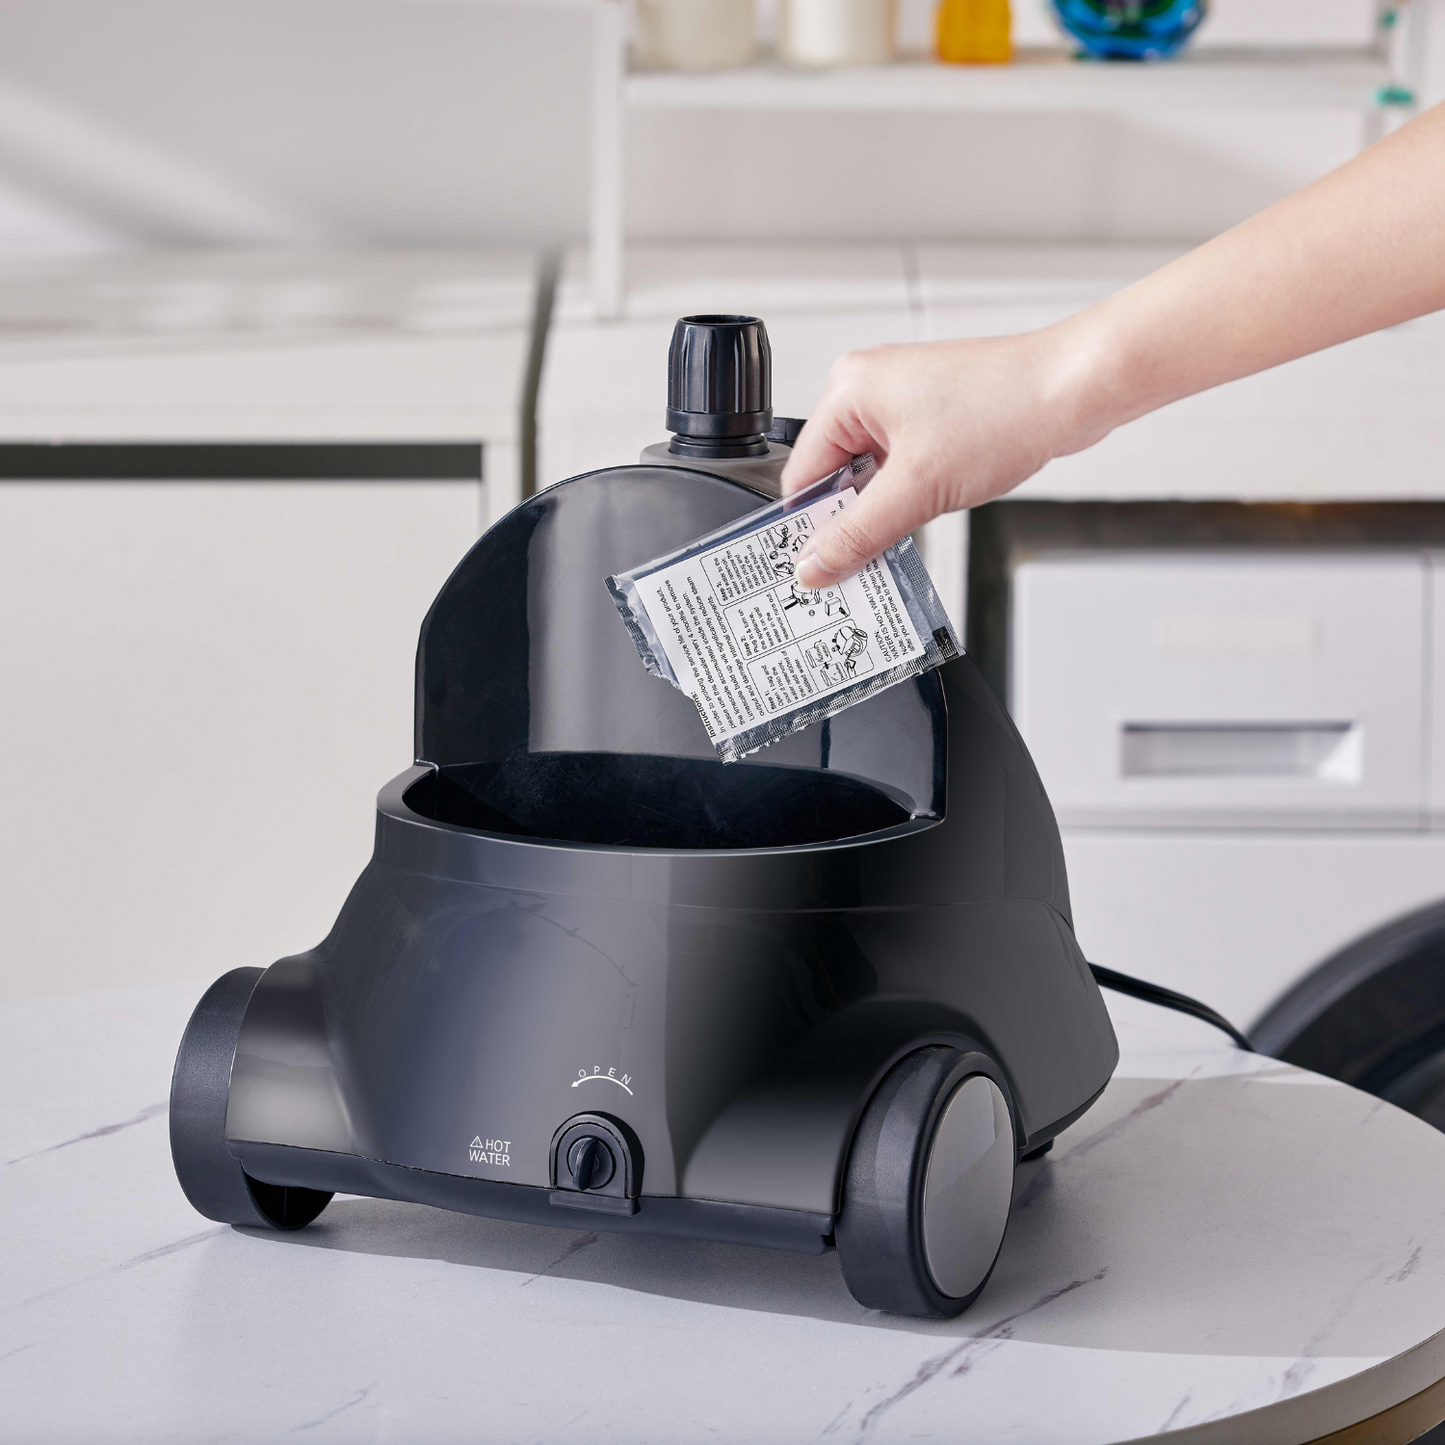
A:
<point x="1237" y="918"/>
<point x="1358" y="421"/>
<point x="220" y="347"/>
<point x="979" y="290"/>
<point x="1223" y="690"/>
<point x="603" y="394"/>
<point x="204" y="685"/>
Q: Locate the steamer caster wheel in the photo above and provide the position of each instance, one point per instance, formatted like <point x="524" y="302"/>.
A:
<point x="200" y="1090"/>
<point x="928" y="1186"/>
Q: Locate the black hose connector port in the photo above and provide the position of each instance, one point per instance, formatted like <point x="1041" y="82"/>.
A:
<point x="719" y="387"/>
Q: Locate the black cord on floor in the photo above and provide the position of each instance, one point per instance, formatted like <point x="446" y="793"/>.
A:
<point x="1166" y="998"/>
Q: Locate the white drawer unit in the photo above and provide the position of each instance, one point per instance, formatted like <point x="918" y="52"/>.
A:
<point x="1224" y="690"/>
<point x="1238" y="918"/>
<point x="263" y="346"/>
<point x="205" y="684"/>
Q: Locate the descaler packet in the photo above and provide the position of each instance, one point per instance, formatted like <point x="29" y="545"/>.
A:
<point x="725" y="620"/>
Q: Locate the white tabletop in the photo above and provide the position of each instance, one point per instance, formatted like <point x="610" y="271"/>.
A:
<point x="1224" y="1248"/>
<point x="272" y="346"/>
<point x="266" y="345"/>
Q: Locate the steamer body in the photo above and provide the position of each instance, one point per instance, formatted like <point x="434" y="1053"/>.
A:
<point x="733" y="981"/>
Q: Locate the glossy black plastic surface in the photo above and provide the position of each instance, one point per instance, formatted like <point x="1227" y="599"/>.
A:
<point x="542" y="723"/>
<point x="689" y="1218"/>
<point x="574" y="908"/>
<point x="216" y="1185"/>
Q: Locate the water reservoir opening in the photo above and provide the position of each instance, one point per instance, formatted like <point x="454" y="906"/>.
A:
<point x="638" y="800"/>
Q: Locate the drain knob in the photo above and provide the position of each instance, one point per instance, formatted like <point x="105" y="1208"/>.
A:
<point x="590" y="1162"/>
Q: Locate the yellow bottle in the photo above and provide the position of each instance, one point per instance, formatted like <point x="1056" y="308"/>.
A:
<point x="974" y="32"/>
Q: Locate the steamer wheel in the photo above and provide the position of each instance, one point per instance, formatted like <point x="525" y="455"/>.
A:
<point x="212" y="1179"/>
<point x="928" y="1186"/>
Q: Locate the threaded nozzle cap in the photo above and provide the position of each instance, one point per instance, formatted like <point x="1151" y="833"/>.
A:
<point x="719" y="385"/>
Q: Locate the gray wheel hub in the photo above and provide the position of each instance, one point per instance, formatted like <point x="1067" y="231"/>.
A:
<point x="968" y="1186"/>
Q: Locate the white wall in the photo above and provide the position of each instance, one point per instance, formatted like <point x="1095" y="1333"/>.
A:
<point x="200" y="122"/>
<point x="1179" y="178"/>
<point x="197" y="122"/>
<point x="1175" y="177"/>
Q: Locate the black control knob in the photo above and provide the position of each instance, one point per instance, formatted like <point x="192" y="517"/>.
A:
<point x="590" y="1162"/>
<point x="719" y="387"/>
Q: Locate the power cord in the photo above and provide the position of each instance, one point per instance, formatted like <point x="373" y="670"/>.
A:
<point x="1166" y="998"/>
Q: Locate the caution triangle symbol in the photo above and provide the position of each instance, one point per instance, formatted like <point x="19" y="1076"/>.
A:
<point x="476" y="1143"/>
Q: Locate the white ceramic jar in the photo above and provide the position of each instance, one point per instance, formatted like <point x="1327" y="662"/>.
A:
<point x="696" y="34"/>
<point x="836" y="32"/>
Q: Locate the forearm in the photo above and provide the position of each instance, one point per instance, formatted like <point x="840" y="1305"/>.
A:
<point x="1360" y="249"/>
<point x="958" y="423"/>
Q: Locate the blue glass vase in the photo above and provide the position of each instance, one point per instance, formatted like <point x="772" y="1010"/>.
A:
<point x="1130" y="29"/>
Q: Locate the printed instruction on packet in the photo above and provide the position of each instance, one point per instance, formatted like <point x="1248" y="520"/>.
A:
<point x="746" y="642"/>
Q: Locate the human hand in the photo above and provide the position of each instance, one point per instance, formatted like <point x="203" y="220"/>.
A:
<point x="951" y="424"/>
<point x="956" y="423"/>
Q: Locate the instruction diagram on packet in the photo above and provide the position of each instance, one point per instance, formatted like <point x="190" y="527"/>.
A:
<point x="747" y="641"/>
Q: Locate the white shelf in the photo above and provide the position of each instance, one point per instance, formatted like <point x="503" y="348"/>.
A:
<point x="1036" y="80"/>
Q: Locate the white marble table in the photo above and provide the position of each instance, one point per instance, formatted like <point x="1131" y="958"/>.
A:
<point x="1224" y="1249"/>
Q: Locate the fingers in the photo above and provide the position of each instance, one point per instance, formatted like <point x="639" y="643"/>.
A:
<point x="836" y="432"/>
<point x="855" y="416"/>
<point x="891" y="506"/>
<point x="815" y="454"/>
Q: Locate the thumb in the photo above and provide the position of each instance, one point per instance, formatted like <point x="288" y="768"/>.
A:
<point x="890" y="507"/>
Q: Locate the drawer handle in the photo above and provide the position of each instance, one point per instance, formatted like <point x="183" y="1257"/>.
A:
<point x="1329" y="752"/>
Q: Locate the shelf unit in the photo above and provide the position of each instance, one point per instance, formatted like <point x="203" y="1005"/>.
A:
<point x="1381" y="81"/>
<point x="1038" y="80"/>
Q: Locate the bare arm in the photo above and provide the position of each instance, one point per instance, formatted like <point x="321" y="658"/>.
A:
<point x="957" y="423"/>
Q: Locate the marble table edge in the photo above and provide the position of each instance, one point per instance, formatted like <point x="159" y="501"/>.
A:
<point x="1336" y="1414"/>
